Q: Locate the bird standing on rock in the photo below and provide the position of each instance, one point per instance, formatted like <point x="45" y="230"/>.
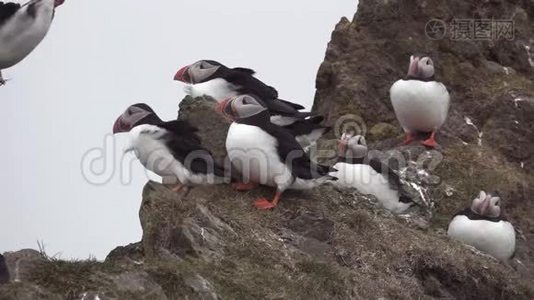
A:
<point x="369" y="176"/>
<point x="22" y="28"/>
<point x="168" y="148"/>
<point x="306" y="131"/>
<point x="265" y="153"/>
<point x="420" y="103"/>
<point x="211" y="78"/>
<point x="483" y="227"/>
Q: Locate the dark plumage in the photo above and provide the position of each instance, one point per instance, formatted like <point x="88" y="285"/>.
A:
<point x="301" y="165"/>
<point x="161" y="145"/>
<point x="243" y="82"/>
<point x="7" y="10"/>
<point x="185" y="145"/>
<point x="469" y="213"/>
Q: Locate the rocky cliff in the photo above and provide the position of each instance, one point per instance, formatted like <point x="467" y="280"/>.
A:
<point x="334" y="244"/>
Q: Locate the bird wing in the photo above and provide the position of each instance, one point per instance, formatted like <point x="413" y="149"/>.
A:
<point x="248" y="84"/>
<point x="186" y="147"/>
<point x="290" y="152"/>
<point x="245" y="70"/>
<point x="392" y="177"/>
<point x="7" y="10"/>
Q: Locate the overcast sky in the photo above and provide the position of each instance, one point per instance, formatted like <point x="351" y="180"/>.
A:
<point x="101" y="56"/>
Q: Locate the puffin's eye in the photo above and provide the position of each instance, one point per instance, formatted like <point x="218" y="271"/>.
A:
<point x="498" y="203"/>
<point x="228" y="109"/>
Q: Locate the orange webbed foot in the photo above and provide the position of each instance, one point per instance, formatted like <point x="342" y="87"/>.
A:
<point x="431" y="141"/>
<point x="264" y="204"/>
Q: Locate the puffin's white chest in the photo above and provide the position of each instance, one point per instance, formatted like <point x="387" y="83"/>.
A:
<point x="151" y="151"/>
<point x="219" y="89"/>
<point x="367" y="181"/>
<point x="419" y="105"/>
<point x="253" y="152"/>
<point x="22" y="33"/>
<point x="494" y="238"/>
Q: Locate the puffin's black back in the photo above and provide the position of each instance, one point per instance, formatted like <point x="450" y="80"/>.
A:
<point x="249" y="85"/>
<point x="7" y="10"/>
<point x="288" y="147"/>
<point x="186" y="147"/>
<point x="474" y="216"/>
<point x="4" y="273"/>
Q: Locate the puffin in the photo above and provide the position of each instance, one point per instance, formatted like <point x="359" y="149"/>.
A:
<point x="4" y="272"/>
<point x="169" y="149"/>
<point x="211" y="78"/>
<point x="22" y="28"/>
<point x="369" y="175"/>
<point x="421" y="103"/>
<point x="306" y="131"/>
<point x="265" y="153"/>
<point x="483" y="226"/>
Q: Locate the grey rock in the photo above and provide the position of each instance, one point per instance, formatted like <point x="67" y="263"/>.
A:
<point x="21" y="263"/>
<point x="201" y="287"/>
<point x="4" y="272"/>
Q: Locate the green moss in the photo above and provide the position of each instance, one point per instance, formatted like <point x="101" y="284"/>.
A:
<point x="383" y="131"/>
<point x="68" y="278"/>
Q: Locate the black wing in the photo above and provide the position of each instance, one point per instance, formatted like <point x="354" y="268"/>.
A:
<point x="186" y="147"/>
<point x="248" y="84"/>
<point x="7" y="10"/>
<point x="245" y="70"/>
<point x="393" y="178"/>
<point x="294" y="105"/>
<point x="384" y="169"/>
<point x="306" y="126"/>
<point x="292" y="154"/>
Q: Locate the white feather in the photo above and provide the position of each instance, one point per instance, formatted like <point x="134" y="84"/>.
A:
<point x="156" y="156"/>
<point x="308" y="140"/>
<point x="22" y="33"/>
<point x="283" y="120"/>
<point x="253" y="152"/>
<point x="494" y="238"/>
<point x="218" y="88"/>
<point x="419" y="105"/>
<point x="367" y="181"/>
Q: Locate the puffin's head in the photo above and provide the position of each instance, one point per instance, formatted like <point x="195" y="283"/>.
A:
<point x="352" y="146"/>
<point x="58" y="2"/>
<point x="421" y="67"/>
<point x="487" y="205"/>
<point x="198" y="72"/>
<point x="131" y="117"/>
<point x="241" y="107"/>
